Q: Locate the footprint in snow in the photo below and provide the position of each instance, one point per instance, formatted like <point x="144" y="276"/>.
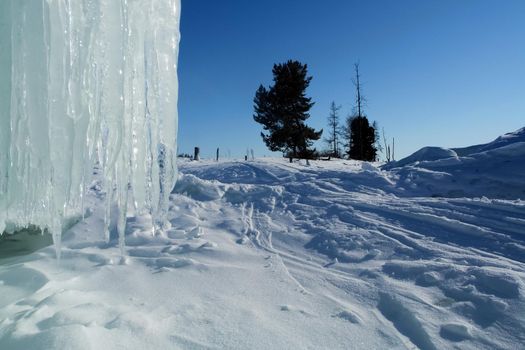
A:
<point x="332" y="263"/>
<point x="243" y="240"/>
<point x="196" y="232"/>
<point x="288" y="308"/>
<point x="349" y="316"/>
<point x="189" y="248"/>
<point x="455" y="332"/>
<point x="165" y="264"/>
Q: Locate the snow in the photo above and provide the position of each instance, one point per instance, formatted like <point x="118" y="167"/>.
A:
<point x="85" y="83"/>
<point x="269" y="255"/>
<point x="427" y="252"/>
<point x="424" y="154"/>
<point x="504" y="140"/>
<point x="494" y="170"/>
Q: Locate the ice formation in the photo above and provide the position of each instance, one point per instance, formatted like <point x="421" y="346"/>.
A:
<point x="84" y="84"/>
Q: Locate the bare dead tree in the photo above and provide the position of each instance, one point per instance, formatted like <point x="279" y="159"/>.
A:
<point x="386" y="147"/>
<point x="334" y="130"/>
<point x="360" y="100"/>
<point x="393" y="149"/>
<point x="389" y="149"/>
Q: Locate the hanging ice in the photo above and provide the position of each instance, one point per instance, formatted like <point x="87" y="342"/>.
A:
<point x="83" y="83"/>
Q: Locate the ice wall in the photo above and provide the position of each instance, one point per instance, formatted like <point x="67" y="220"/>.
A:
<point x="86" y="83"/>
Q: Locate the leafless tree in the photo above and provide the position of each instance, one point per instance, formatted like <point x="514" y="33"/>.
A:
<point x="334" y="130"/>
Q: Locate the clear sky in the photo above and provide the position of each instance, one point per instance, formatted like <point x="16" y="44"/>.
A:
<point x="444" y="73"/>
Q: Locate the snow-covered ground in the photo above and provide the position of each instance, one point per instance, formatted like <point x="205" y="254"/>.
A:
<point x="271" y="255"/>
<point x="494" y="170"/>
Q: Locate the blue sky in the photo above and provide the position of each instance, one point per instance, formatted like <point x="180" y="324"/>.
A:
<point x="444" y="73"/>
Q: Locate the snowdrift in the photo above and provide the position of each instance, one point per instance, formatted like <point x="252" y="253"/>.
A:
<point x="423" y="155"/>
<point x="270" y="255"/>
<point x="495" y="170"/>
<point x="504" y="140"/>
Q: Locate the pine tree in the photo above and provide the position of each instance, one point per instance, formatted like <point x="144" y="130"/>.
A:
<point x="377" y="143"/>
<point x="361" y="136"/>
<point x="283" y="108"/>
<point x="333" y="128"/>
<point x="362" y="143"/>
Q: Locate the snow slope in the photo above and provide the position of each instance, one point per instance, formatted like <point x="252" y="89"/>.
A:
<point x="504" y="140"/>
<point x="425" y="154"/>
<point x="495" y="170"/>
<point x="271" y="255"/>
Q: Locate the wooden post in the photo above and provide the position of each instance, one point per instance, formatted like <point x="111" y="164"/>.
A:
<point x="196" y="154"/>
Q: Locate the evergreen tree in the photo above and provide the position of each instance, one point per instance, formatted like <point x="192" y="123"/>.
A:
<point x="361" y="136"/>
<point x="377" y="143"/>
<point x="333" y="128"/>
<point x="283" y="108"/>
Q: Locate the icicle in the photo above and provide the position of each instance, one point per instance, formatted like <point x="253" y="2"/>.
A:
<point x="121" y="228"/>
<point x="107" y="212"/>
<point x="83" y="83"/>
<point x="56" y="232"/>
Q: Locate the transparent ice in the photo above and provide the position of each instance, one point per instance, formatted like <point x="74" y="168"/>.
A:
<point x="87" y="83"/>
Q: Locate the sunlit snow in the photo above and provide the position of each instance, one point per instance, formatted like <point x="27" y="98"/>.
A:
<point x="427" y="252"/>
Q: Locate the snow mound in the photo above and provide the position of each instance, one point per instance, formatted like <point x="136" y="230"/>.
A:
<point x="272" y="255"/>
<point x="424" y="154"/>
<point x="504" y="140"/>
<point x="199" y="189"/>
<point x="493" y="170"/>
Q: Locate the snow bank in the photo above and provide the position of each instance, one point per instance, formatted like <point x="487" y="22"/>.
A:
<point x="271" y="255"/>
<point x="504" y="140"/>
<point x="85" y="83"/>
<point x="439" y="273"/>
<point x="424" y="154"/>
<point x="493" y="170"/>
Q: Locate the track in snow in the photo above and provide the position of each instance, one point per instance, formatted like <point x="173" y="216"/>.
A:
<point x="439" y="271"/>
